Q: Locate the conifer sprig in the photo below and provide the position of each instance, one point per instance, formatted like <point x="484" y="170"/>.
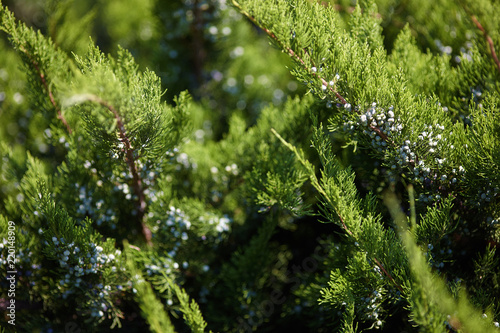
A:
<point x="462" y="315"/>
<point x="290" y="52"/>
<point x="27" y="41"/>
<point x="311" y="70"/>
<point x="331" y="202"/>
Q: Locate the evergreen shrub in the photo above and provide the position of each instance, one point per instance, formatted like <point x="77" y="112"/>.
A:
<point x="250" y="165"/>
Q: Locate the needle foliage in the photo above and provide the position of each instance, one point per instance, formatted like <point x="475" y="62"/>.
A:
<point x="250" y="165"/>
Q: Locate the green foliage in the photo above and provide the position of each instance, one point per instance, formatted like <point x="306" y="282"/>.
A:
<point x="431" y="291"/>
<point x="177" y="172"/>
<point x="150" y="306"/>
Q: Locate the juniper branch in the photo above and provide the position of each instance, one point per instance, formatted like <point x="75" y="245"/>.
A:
<point x="132" y="164"/>
<point x="13" y="28"/>
<point x="321" y="190"/>
<point x="290" y="52"/>
<point x="297" y="58"/>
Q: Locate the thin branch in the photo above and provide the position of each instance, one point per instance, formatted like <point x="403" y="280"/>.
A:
<point x="383" y="136"/>
<point x="131" y="161"/>
<point x="47" y="88"/>
<point x="488" y="40"/>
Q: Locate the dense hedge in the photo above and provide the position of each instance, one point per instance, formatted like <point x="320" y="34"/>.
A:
<point x="253" y="165"/>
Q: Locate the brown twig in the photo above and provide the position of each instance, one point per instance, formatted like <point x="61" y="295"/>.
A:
<point x="131" y="162"/>
<point x="382" y="135"/>
<point x="488" y="40"/>
<point x="35" y="64"/>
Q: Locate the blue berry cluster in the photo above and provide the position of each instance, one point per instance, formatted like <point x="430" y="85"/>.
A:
<point x="78" y="264"/>
<point x="80" y="267"/>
